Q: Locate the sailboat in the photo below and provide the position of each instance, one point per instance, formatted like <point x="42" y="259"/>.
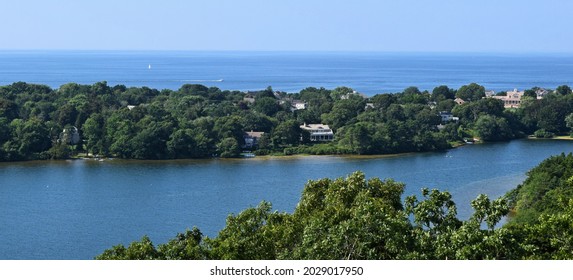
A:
<point x="149" y="66"/>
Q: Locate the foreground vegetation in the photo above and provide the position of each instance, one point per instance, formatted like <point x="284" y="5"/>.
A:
<point x="359" y="218"/>
<point x="37" y="122"/>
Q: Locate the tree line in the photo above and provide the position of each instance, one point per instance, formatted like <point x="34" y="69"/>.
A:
<point x="359" y="218"/>
<point x="196" y="121"/>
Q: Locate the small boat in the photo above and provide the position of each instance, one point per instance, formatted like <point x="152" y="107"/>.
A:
<point x="149" y="66"/>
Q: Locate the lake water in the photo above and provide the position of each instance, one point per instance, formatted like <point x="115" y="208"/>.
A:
<point x="76" y="209"/>
<point x="369" y="73"/>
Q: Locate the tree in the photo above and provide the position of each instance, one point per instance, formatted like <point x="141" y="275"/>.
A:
<point x="548" y="113"/>
<point x="60" y="151"/>
<point x="66" y="115"/>
<point x="569" y="121"/>
<point x="351" y="218"/>
<point x="230" y="126"/>
<point x="530" y="93"/>
<point x="194" y="89"/>
<point x="344" y="111"/>
<point x="471" y="111"/>
<point x="182" y="144"/>
<point x="442" y="93"/>
<point x="546" y="190"/>
<point x="563" y="90"/>
<point x="229" y="147"/>
<point x="185" y="246"/>
<point x="435" y="222"/>
<point x="383" y="101"/>
<point x="257" y="122"/>
<point x="446" y="105"/>
<point x="137" y="250"/>
<point x="267" y="106"/>
<point x="32" y="137"/>
<point x="413" y="95"/>
<point x="492" y="128"/>
<point x="358" y="137"/>
<point x="471" y="92"/>
<point x="247" y="236"/>
<point x="101" y="88"/>
<point x="556" y="234"/>
<point x="286" y="133"/>
<point x="5" y="133"/>
<point x="8" y="109"/>
<point x="150" y="140"/>
<point x="436" y="213"/>
<point x="93" y="132"/>
<point x="339" y="92"/>
<point x="317" y="98"/>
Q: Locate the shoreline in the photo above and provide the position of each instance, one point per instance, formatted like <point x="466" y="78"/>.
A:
<point x="271" y="157"/>
<point x="561" y="138"/>
<point x="256" y="158"/>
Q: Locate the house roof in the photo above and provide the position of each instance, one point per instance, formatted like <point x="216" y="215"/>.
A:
<point x="314" y="126"/>
<point x="254" y="134"/>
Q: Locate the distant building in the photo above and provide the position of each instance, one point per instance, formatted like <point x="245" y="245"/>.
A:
<point x="540" y="93"/>
<point x="298" y="105"/>
<point x="319" y="132"/>
<point x="512" y="99"/>
<point x="369" y="105"/>
<point x="249" y="98"/>
<point x="432" y="104"/>
<point x="252" y="138"/>
<point x="70" y="135"/>
<point x="489" y="93"/>
<point x="459" y="101"/>
<point x="130" y="107"/>
<point x="347" y="96"/>
<point x="448" y="117"/>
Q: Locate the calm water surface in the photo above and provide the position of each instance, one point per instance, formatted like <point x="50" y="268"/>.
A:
<point x="76" y="209"/>
<point x="366" y="72"/>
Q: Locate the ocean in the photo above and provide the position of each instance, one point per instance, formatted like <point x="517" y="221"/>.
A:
<point x="369" y="73"/>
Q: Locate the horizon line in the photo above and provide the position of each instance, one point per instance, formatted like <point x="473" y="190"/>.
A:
<point x="504" y="52"/>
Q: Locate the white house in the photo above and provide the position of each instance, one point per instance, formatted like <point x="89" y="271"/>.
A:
<point x="540" y="93"/>
<point x="319" y="132"/>
<point x="70" y="135"/>
<point x="448" y="117"/>
<point x="298" y="105"/>
<point x="489" y="93"/>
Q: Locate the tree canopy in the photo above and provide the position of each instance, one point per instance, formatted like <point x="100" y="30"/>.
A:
<point x="196" y="121"/>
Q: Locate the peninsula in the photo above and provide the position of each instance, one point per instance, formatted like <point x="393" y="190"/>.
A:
<point x="38" y="122"/>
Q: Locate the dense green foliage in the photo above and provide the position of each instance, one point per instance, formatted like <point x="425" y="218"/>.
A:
<point x="546" y="190"/>
<point x="196" y="121"/>
<point x="359" y="218"/>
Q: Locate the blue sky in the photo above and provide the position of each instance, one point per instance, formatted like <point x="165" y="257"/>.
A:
<point x="293" y="25"/>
